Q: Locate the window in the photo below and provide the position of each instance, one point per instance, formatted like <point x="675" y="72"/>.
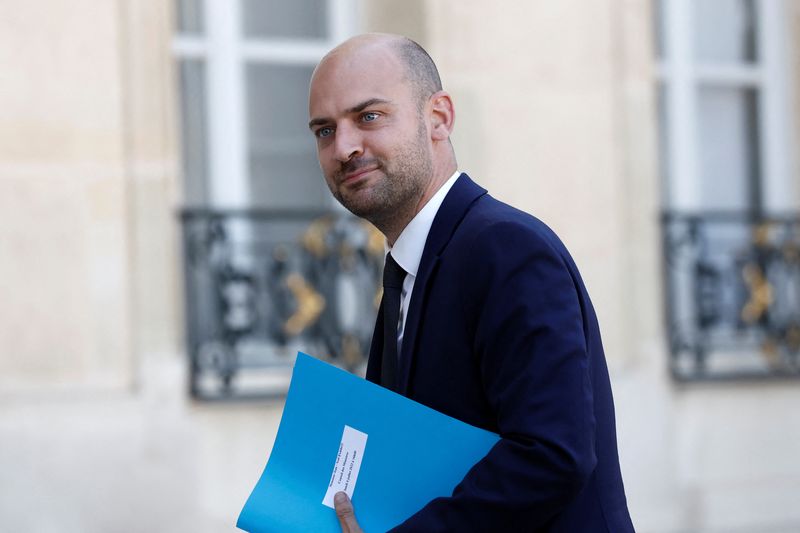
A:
<point x="730" y="275"/>
<point x="244" y="69"/>
<point x="723" y="105"/>
<point x="271" y="266"/>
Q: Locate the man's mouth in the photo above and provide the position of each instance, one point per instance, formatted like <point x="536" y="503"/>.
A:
<point x="356" y="174"/>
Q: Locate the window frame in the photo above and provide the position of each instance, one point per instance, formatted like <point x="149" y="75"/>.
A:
<point x="679" y="73"/>
<point x="226" y="53"/>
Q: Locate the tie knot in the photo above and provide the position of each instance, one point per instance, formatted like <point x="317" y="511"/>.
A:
<point x="393" y="274"/>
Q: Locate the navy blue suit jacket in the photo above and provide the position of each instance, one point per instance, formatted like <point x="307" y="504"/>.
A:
<point x="501" y="334"/>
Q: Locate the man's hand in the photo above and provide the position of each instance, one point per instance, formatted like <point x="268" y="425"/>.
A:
<point x="345" y="513"/>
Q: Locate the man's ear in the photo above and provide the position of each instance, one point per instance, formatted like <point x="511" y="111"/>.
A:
<point x="442" y="117"/>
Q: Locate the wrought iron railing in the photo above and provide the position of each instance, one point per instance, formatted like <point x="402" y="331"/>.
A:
<point x="262" y="284"/>
<point x="732" y="292"/>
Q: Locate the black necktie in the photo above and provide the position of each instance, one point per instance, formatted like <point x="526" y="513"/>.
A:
<point x="393" y="276"/>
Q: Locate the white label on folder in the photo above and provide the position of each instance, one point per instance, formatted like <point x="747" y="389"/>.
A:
<point x="348" y="463"/>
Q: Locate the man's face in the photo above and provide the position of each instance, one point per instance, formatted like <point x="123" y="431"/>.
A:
<point x="373" y="143"/>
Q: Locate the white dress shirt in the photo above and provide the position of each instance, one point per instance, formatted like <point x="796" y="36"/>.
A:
<point x="408" y="248"/>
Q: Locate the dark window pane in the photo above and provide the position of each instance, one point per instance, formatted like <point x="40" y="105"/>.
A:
<point x="300" y="19"/>
<point x="663" y="143"/>
<point x="729" y="151"/>
<point x="193" y="131"/>
<point x="725" y="31"/>
<point x="659" y="29"/>
<point x="189" y="16"/>
<point x="284" y="171"/>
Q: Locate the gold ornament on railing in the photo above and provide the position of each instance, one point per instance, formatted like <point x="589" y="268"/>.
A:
<point x="314" y="237"/>
<point x="761" y="294"/>
<point x="310" y="305"/>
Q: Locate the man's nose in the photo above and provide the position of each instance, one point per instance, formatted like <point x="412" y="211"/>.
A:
<point x="348" y="143"/>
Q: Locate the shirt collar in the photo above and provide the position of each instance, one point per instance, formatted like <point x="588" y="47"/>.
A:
<point x="408" y="247"/>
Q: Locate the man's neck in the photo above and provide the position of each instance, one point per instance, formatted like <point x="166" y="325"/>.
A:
<point x="394" y="227"/>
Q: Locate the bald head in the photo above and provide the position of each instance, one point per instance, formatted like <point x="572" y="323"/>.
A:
<point x="419" y="70"/>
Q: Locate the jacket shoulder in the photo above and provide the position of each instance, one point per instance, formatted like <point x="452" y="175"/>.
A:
<point x="490" y="220"/>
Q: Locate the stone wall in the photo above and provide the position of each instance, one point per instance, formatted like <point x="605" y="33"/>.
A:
<point x="87" y="175"/>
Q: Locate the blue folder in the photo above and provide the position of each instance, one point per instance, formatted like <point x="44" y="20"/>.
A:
<point x="413" y="454"/>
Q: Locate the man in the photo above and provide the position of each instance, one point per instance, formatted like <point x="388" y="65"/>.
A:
<point x="484" y="315"/>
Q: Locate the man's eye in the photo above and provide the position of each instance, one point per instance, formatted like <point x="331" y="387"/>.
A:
<point x="369" y="117"/>
<point x="324" y="132"/>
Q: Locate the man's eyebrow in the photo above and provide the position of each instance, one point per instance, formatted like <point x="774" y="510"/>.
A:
<point x="317" y="122"/>
<point x="365" y="104"/>
<point x="355" y="109"/>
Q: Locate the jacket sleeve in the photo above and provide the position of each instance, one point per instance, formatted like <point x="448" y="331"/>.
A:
<point x="523" y="304"/>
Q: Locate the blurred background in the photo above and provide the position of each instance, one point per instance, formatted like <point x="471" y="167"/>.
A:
<point x="167" y="242"/>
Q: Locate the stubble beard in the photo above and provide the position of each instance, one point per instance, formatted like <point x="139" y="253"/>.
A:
<point x="394" y="197"/>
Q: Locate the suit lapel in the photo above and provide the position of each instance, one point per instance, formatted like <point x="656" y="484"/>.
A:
<point x="455" y="205"/>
